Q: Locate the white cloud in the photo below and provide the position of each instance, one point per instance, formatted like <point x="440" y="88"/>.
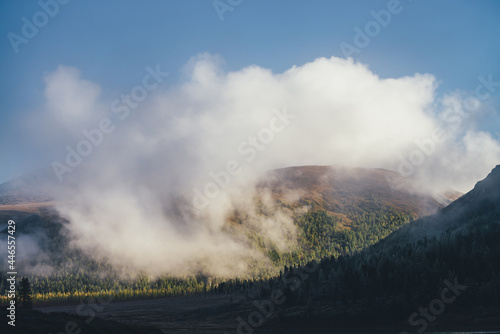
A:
<point x="71" y="100"/>
<point x="134" y="200"/>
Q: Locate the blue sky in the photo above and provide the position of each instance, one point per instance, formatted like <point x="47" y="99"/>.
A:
<point x="111" y="43"/>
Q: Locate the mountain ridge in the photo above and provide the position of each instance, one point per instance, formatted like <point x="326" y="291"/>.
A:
<point x="329" y="187"/>
<point x="392" y="283"/>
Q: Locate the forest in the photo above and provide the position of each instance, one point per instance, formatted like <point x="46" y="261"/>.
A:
<point x="396" y="282"/>
<point x="78" y="277"/>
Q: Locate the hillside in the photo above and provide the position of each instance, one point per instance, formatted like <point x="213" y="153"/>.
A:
<point x="340" y="190"/>
<point x="386" y="285"/>
<point x="445" y="278"/>
<point x="459" y="215"/>
<point x="347" y="210"/>
<point x="27" y="188"/>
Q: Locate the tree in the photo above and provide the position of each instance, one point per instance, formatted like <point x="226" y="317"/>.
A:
<point x="25" y="293"/>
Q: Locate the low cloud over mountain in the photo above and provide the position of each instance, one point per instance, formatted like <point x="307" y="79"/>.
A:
<point x="149" y="178"/>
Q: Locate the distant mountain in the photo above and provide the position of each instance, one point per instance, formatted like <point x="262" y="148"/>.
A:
<point x="27" y="188"/>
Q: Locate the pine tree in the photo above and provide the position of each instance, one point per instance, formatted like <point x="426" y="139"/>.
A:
<point x="25" y="293"/>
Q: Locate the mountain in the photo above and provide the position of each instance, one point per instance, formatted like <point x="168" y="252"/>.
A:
<point x="441" y="272"/>
<point x="436" y="274"/>
<point x="337" y="189"/>
<point x="337" y="210"/>
<point x="329" y="188"/>
<point x="346" y="209"/>
<point x="27" y="188"/>
<point x="23" y="197"/>
<point x="343" y="282"/>
<point x="459" y="215"/>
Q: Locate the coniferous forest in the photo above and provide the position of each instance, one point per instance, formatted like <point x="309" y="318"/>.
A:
<point x="75" y="276"/>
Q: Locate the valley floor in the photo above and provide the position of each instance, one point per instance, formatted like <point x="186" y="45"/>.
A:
<point x="207" y="313"/>
<point x="219" y="314"/>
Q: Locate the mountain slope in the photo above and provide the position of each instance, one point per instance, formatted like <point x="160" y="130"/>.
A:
<point x="459" y="215"/>
<point x="394" y="282"/>
<point x="337" y="210"/>
<point x="340" y="190"/>
<point x="347" y="208"/>
<point x="27" y="188"/>
<point x="330" y="187"/>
